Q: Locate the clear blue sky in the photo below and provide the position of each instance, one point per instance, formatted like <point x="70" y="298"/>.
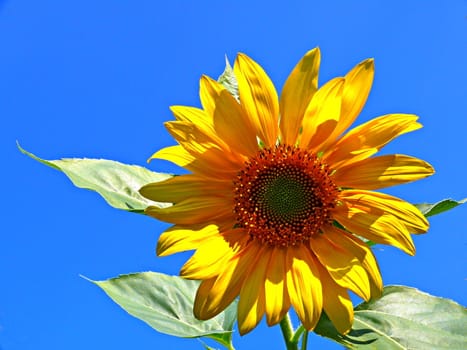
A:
<point x="95" y="79"/>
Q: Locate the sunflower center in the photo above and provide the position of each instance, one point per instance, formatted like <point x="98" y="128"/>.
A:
<point x="284" y="195"/>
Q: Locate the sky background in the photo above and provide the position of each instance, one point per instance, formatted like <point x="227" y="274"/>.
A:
<point x="95" y="79"/>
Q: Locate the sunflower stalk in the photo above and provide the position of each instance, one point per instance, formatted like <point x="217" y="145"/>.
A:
<point x="305" y="340"/>
<point x="291" y="342"/>
<point x="298" y="333"/>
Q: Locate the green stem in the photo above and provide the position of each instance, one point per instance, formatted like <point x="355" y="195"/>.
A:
<point x="288" y="332"/>
<point x="304" y="340"/>
<point x="298" y="334"/>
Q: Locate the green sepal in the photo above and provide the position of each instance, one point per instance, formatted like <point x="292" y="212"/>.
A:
<point x="228" y="80"/>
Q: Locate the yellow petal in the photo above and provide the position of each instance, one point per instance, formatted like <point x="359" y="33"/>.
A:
<point x="365" y="140"/>
<point x="277" y="298"/>
<point x="203" y="146"/>
<point x="296" y="94"/>
<point x="195" y="210"/>
<point x="304" y="285"/>
<point x="191" y="137"/>
<point x="215" y="294"/>
<point x="336" y="302"/>
<point x="192" y="114"/>
<point x="175" y="154"/>
<point x="406" y="213"/>
<point x="178" y="188"/>
<point x="213" y="254"/>
<point x="343" y="266"/>
<point x="251" y="304"/>
<point x="382" y="171"/>
<point x="201" y="300"/>
<point x="208" y="94"/>
<point x="375" y="225"/>
<point x="203" y="165"/>
<point x="356" y="89"/>
<point x="259" y="98"/>
<point x="181" y="238"/>
<point x="361" y="251"/>
<point x="230" y="121"/>
<point x="322" y="114"/>
<point x="201" y="119"/>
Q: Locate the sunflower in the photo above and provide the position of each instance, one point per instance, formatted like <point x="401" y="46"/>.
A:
<point x="279" y="201"/>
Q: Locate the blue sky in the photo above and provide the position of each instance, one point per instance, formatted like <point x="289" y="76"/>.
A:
<point x="95" y="79"/>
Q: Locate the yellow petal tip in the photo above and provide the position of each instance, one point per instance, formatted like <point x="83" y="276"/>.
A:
<point x="368" y="64"/>
<point x="315" y="51"/>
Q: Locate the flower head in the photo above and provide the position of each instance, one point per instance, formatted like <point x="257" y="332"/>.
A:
<point x="279" y="197"/>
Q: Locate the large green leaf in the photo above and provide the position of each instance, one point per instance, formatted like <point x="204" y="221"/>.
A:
<point x="118" y="183"/>
<point x="403" y="318"/>
<point x="166" y="304"/>
<point x="430" y="209"/>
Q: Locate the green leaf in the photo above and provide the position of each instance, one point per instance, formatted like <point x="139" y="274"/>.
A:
<point x="428" y="209"/>
<point x="228" y="80"/>
<point x="118" y="183"/>
<point x="166" y="304"/>
<point x="403" y="318"/>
